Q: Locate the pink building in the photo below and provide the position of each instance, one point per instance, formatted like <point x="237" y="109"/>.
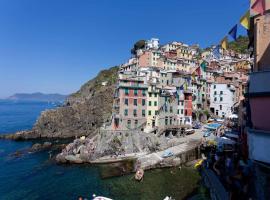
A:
<point x="131" y="102"/>
<point x="259" y="91"/>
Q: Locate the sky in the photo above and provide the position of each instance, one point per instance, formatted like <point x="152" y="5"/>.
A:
<point x="54" y="46"/>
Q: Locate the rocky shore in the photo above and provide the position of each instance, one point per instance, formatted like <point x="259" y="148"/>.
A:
<point x="146" y="150"/>
<point x="109" y="144"/>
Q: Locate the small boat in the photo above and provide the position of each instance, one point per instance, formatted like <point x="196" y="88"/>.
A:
<point x="167" y="154"/>
<point x="189" y="131"/>
<point x="139" y="174"/>
<point x="198" y="164"/>
<point x="207" y="134"/>
<point x="100" y="198"/>
<point x="168" y="198"/>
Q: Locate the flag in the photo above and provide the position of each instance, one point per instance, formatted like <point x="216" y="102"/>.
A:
<point x="224" y="43"/>
<point x="259" y="6"/>
<point x="203" y="65"/>
<point x="233" y="32"/>
<point x="244" y="21"/>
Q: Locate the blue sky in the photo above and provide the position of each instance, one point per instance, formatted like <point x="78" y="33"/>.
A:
<point x="57" y="45"/>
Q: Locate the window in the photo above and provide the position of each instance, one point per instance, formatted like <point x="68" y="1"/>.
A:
<point x="156" y="112"/>
<point x="149" y="112"/>
<point x="129" y="123"/>
<point x="136" y="92"/>
<point x="215" y="92"/>
<point x="143" y="113"/>
<point x="220" y="107"/>
<point x="221" y="98"/>
<point x="171" y="109"/>
<point x="215" y="86"/>
<point x="155" y="103"/>
<point x="126" y="112"/>
<point x="150" y="94"/>
<point x="182" y="103"/>
<point x="143" y="102"/>
<point x="178" y="111"/>
<point x="135" y="102"/>
<point x="155" y="94"/>
<point x="126" y="102"/>
<point x="166" y="121"/>
<point x="143" y="93"/>
<point x="136" y="123"/>
<point x="182" y="111"/>
<point x="150" y="103"/>
<point x="215" y="99"/>
<point x="135" y="113"/>
<point x="170" y="121"/>
<point x="126" y="91"/>
<point x="221" y="92"/>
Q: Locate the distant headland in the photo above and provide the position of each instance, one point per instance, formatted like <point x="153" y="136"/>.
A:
<point x="37" y="96"/>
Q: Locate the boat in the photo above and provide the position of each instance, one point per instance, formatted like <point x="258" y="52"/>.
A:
<point x="212" y="126"/>
<point x="189" y="131"/>
<point x="167" y="154"/>
<point x="168" y="198"/>
<point x="100" y="198"/>
<point x="139" y="174"/>
<point x="198" y="164"/>
<point x="207" y="134"/>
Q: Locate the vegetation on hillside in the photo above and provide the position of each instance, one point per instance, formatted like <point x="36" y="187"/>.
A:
<point x="240" y="45"/>
<point x="108" y="75"/>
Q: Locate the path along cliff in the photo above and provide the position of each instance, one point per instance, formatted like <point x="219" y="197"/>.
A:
<point x="83" y="113"/>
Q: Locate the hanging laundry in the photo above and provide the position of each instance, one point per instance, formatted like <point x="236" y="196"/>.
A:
<point x="244" y="21"/>
<point x="258" y="6"/>
<point x="233" y="32"/>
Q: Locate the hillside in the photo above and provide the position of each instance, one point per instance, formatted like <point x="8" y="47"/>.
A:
<point x="240" y="45"/>
<point x="82" y="114"/>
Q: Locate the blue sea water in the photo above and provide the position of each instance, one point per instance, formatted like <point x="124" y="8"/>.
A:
<point x="34" y="176"/>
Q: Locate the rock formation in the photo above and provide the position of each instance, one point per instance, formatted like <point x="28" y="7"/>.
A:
<point x="82" y="113"/>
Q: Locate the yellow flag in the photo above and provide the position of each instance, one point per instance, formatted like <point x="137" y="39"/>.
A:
<point x="224" y="43"/>
<point x="244" y="21"/>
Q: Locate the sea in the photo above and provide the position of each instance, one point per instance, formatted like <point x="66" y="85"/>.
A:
<point x="34" y="176"/>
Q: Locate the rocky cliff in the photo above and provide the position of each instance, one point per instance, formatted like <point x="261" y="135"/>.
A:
<point x="82" y="114"/>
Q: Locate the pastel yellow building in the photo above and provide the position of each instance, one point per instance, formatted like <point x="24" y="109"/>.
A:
<point x="152" y="107"/>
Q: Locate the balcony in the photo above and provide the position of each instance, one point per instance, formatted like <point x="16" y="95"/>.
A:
<point x="259" y="142"/>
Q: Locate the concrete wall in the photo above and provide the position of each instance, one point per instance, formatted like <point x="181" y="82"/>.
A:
<point x="262" y="42"/>
<point x="260" y="112"/>
<point x="258" y="143"/>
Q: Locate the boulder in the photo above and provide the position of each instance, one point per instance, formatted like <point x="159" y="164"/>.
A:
<point x="60" y="158"/>
<point x="74" y="159"/>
